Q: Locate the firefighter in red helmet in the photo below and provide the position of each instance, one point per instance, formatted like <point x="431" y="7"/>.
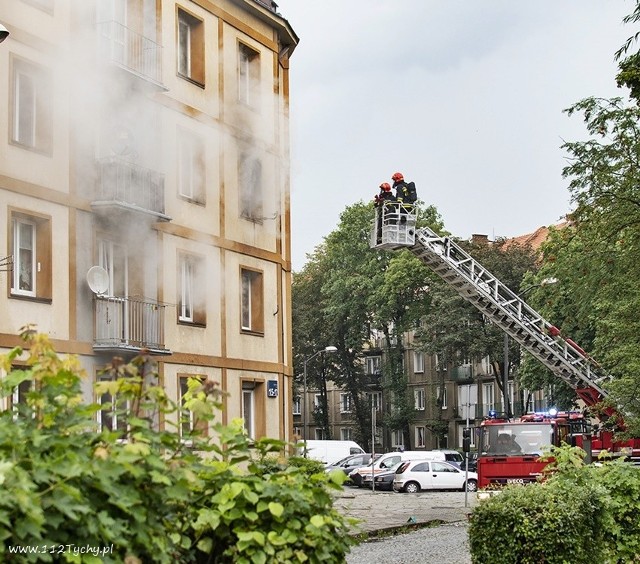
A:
<point x="385" y="194"/>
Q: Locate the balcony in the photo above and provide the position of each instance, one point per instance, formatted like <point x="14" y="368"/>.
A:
<point x="128" y="325"/>
<point x="462" y="374"/>
<point x="130" y="50"/>
<point x="373" y="380"/>
<point x="127" y="186"/>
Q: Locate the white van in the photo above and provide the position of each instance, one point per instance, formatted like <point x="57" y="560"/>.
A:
<point x="329" y="451"/>
<point x="390" y="459"/>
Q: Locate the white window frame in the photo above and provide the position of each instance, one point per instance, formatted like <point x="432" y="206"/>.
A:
<point x="297" y="405"/>
<point x="420" y="436"/>
<point x="488" y="398"/>
<point x="187" y="281"/>
<point x="319" y="434"/>
<point x="191" y="172"/>
<point x="346" y="434"/>
<point x="397" y="439"/>
<point x="248" y="75"/>
<point x="375" y="400"/>
<point x="249" y="410"/>
<point x="345" y="403"/>
<point x="441" y="394"/>
<point x="419" y="399"/>
<point x="317" y="401"/>
<point x="24" y="265"/>
<point x="418" y="361"/>
<point x="373" y="365"/>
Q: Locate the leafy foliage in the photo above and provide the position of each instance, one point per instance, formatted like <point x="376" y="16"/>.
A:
<point x="143" y="494"/>
<point x="581" y="513"/>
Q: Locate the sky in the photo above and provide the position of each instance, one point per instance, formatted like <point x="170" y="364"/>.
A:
<point x="464" y="97"/>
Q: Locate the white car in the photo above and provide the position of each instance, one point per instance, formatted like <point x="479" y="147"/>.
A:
<point x="416" y="475"/>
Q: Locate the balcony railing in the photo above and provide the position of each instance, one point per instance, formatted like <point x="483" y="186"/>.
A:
<point x="461" y="373"/>
<point x="126" y="184"/>
<point x="129" y="324"/>
<point x="130" y="50"/>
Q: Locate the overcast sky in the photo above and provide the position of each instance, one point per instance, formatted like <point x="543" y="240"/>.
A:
<point x="464" y="97"/>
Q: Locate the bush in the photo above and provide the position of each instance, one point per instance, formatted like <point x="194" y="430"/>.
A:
<point x="546" y="523"/>
<point x="581" y="513"/>
<point x="140" y="494"/>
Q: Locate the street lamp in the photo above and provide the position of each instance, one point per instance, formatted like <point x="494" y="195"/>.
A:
<point x="329" y="349"/>
<point x="505" y="370"/>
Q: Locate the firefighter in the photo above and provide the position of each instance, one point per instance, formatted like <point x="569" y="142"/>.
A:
<point x="405" y="194"/>
<point x="382" y="201"/>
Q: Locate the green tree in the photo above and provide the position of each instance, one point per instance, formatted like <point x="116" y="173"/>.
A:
<point x="347" y="289"/>
<point x="456" y="331"/>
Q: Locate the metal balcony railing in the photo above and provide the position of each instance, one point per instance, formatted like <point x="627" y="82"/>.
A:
<point x="122" y="182"/>
<point x="130" y="50"/>
<point x="129" y="324"/>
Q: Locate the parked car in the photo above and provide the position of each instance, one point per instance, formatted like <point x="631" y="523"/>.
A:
<point x="383" y="480"/>
<point x="416" y="475"/>
<point x="348" y="463"/>
<point x="452" y="457"/>
<point x="387" y="461"/>
<point x="473" y="462"/>
<point x="328" y="452"/>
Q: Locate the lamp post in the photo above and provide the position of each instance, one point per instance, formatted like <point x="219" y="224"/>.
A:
<point x="505" y="370"/>
<point x="329" y="349"/>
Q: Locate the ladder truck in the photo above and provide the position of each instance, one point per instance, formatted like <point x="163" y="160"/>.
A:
<point x="509" y="449"/>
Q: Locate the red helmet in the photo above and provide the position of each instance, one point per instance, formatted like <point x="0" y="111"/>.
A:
<point x="397" y="177"/>
<point x="385" y="186"/>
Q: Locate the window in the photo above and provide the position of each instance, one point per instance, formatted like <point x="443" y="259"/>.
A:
<point x="250" y="188"/>
<point x="487" y="398"/>
<point x="375" y="399"/>
<point x="297" y="410"/>
<point x="420" y="437"/>
<point x="441" y="393"/>
<point x="248" y="408"/>
<point x="317" y="401"/>
<point x="191" y="307"/>
<point x="418" y="396"/>
<point x="190" y="47"/>
<point x="188" y="420"/>
<point x="467" y="400"/>
<point x="346" y="434"/>
<point x="418" y="361"/>
<point x="397" y="439"/>
<point x="373" y="365"/>
<point x="112" y="415"/>
<point x="345" y="403"/>
<point x="252" y="301"/>
<point x="297" y="431"/>
<point x="31" y="125"/>
<point x="113" y="258"/>
<point x="191" y="167"/>
<point x="32" y="257"/>
<point x="320" y="434"/>
<point x="248" y="75"/>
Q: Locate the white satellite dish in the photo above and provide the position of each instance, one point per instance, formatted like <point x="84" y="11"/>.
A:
<point x="98" y="279"/>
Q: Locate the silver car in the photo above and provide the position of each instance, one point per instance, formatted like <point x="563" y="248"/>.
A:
<point x="416" y="475"/>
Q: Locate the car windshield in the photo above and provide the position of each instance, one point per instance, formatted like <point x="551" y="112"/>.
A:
<point x="510" y="439"/>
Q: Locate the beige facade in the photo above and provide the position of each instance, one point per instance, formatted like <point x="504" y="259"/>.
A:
<point x="144" y="187"/>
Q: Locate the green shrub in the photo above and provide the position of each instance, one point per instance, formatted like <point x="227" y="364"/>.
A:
<point x="581" y="513"/>
<point x="140" y="494"/>
<point x="547" y="523"/>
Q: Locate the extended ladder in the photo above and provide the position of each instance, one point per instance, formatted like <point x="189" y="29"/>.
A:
<point x="508" y="311"/>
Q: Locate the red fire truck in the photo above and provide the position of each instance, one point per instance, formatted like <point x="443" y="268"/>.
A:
<point x="524" y="438"/>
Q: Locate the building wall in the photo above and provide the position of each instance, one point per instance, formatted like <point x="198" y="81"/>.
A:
<point x="112" y="105"/>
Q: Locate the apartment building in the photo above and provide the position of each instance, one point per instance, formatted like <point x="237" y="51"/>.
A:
<point x="144" y="186"/>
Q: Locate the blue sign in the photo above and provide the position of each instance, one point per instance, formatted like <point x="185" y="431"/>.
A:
<point x="272" y="388"/>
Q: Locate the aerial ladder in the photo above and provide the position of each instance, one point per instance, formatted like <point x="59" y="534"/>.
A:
<point x="395" y="228"/>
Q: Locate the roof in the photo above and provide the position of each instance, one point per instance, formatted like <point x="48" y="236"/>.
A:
<point x="535" y="239"/>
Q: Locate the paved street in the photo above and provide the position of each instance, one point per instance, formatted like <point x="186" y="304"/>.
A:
<point x="382" y="510"/>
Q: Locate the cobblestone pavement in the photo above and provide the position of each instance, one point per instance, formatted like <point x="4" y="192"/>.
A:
<point x="380" y="511"/>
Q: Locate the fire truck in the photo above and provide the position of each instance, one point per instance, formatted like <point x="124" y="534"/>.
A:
<point x="518" y="460"/>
